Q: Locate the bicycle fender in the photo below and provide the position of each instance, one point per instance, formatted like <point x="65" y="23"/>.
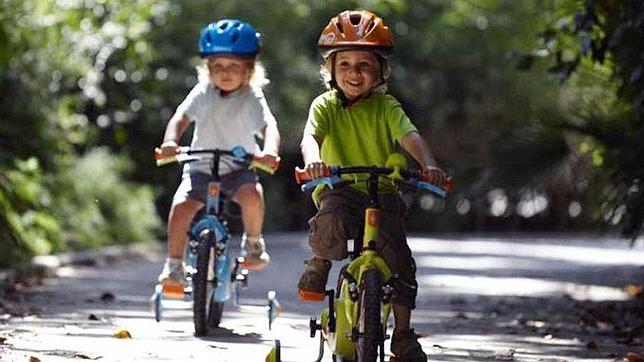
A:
<point x="367" y="260"/>
<point x="223" y="271"/>
<point x="212" y="223"/>
<point x="342" y="344"/>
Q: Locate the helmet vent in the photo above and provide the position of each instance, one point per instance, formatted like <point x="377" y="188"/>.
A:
<point x="370" y="27"/>
<point x="355" y="19"/>
<point x="234" y="37"/>
<point x="223" y="26"/>
<point x="339" y="26"/>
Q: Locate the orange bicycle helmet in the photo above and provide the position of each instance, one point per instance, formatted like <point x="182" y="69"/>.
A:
<point x="355" y="29"/>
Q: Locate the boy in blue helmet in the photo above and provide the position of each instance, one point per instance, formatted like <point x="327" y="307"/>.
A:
<point x="229" y="109"/>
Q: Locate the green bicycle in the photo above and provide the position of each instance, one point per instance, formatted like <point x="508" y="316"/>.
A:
<point x="355" y="322"/>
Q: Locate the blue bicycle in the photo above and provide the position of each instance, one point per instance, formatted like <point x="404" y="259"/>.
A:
<point x="212" y="273"/>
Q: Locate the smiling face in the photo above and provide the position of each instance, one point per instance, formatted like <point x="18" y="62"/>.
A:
<point x="356" y="72"/>
<point x="229" y="73"/>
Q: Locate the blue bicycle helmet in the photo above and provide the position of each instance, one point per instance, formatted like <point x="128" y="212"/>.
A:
<point x="229" y="37"/>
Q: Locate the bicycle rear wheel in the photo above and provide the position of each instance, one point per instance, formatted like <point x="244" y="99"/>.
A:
<point x="200" y="288"/>
<point x="369" y="326"/>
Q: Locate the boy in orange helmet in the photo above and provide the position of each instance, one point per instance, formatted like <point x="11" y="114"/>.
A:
<point x="355" y="123"/>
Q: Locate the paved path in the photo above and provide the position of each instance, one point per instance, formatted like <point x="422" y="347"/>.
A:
<point x="481" y="299"/>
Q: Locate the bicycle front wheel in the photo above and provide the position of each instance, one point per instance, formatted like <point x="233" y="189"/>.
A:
<point x="369" y="327"/>
<point x="201" y="289"/>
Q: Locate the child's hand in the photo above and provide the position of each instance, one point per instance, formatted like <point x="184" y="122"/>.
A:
<point x="435" y="175"/>
<point x="169" y="148"/>
<point x="315" y="170"/>
<point x="271" y="160"/>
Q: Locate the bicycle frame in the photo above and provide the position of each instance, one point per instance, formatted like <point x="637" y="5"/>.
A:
<point x="208" y="246"/>
<point x="341" y="337"/>
<point x="211" y="222"/>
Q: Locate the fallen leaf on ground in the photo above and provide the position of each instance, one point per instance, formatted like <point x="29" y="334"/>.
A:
<point x="634" y="357"/>
<point x="122" y="333"/>
<point x="461" y="315"/>
<point x="504" y="355"/>
<point x="634" y="290"/>
<point x="592" y="345"/>
<point x="84" y="356"/>
<point x="34" y="359"/>
<point x="107" y="297"/>
<point x="499" y="355"/>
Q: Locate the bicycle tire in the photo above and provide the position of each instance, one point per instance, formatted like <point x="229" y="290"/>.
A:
<point x="200" y="288"/>
<point x="369" y="326"/>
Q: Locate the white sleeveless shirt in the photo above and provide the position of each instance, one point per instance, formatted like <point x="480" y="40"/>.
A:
<point x="225" y="122"/>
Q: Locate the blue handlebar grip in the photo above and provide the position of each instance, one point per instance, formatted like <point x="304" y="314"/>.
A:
<point x="432" y="188"/>
<point x="314" y="183"/>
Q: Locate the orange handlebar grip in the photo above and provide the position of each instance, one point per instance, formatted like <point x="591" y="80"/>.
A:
<point x="300" y="175"/>
<point x="268" y="166"/>
<point x="449" y="183"/>
<point x="157" y="154"/>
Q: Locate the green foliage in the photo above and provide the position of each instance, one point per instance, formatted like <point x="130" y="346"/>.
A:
<point x="97" y="206"/>
<point x="76" y="75"/>
<point x="598" y="48"/>
<point x="87" y="205"/>
<point x="26" y="225"/>
<point x="54" y="58"/>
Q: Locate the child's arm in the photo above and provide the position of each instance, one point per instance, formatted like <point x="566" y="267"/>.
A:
<point x="272" y="139"/>
<point x="414" y="143"/>
<point x="311" y="154"/>
<point x="270" y="153"/>
<point x="177" y="125"/>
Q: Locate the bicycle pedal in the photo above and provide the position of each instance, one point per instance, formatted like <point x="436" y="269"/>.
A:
<point x="254" y="266"/>
<point x="173" y="290"/>
<point x="307" y="296"/>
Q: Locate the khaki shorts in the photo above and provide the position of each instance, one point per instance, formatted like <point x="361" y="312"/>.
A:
<point x="341" y="218"/>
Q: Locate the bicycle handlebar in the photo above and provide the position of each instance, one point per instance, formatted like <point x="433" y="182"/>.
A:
<point x="238" y="155"/>
<point x="331" y="177"/>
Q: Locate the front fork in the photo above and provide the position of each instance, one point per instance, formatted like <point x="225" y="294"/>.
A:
<point x="211" y="230"/>
<point x="338" y="323"/>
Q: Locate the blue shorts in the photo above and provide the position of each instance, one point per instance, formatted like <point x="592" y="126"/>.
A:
<point x="195" y="185"/>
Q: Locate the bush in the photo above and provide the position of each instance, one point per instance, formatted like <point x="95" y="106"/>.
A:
<point x="27" y="227"/>
<point x="97" y="206"/>
<point x="86" y="204"/>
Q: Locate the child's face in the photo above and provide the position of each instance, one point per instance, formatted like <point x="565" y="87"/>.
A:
<point x="356" y="72"/>
<point x="229" y="73"/>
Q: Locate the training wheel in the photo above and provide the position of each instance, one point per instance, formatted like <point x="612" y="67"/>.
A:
<point x="156" y="301"/>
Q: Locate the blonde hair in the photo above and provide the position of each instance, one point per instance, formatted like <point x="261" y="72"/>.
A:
<point x="326" y="72"/>
<point x="257" y="79"/>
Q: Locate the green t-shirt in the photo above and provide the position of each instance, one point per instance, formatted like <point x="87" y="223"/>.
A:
<point x="363" y="134"/>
